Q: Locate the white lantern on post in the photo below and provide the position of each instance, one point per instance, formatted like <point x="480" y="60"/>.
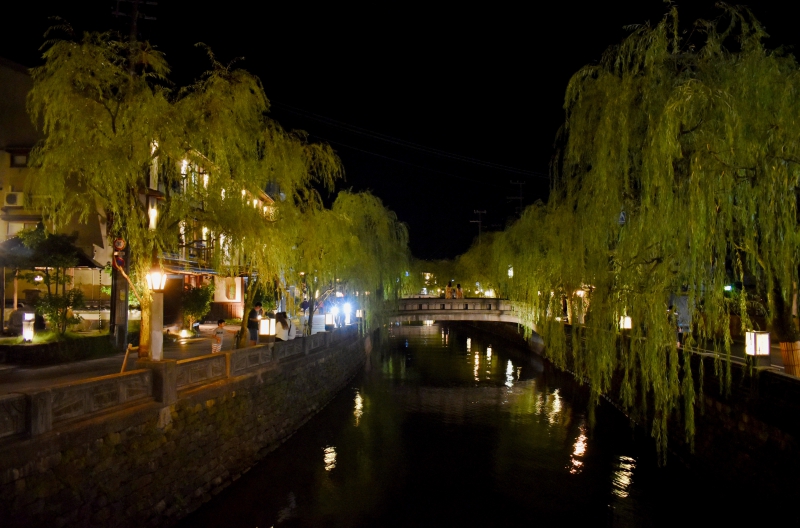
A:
<point x="27" y="327"/>
<point x="625" y="323"/>
<point x="156" y="281"/>
<point x="757" y="347"/>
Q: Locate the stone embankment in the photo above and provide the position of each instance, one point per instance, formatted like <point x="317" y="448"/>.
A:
<point x="149" y="446"/>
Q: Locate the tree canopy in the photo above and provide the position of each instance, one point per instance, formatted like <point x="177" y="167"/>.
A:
<point x="676" y="174"/>
<point x="171" y="167"/>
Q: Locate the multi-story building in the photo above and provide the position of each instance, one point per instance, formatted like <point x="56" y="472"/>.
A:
<point x="17" y="137"/>
<point x="188" y="266"/>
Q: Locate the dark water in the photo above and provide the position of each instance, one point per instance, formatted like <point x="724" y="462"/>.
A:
<point x="450" y="427"/>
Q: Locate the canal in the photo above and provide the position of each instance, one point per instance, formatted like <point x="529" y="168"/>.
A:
<point x="447" y="426"/>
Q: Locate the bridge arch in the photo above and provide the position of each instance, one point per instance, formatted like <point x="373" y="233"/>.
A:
<point x="477" y="310"/>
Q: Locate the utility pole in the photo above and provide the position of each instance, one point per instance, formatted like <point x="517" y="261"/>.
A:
<point x="479" y="221"/>
<point x="135" y="14"/>
<point x="518" y="198"/>
<point x="120" y="294"/>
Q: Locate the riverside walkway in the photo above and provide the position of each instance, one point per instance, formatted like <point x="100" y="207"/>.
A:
<point x="15" y="378"/>
<point x="432" y="309"/>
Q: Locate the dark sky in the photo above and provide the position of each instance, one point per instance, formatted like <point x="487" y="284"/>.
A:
<point x="434" y="109"/>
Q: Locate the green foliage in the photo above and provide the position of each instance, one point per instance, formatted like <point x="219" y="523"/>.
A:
<point x="50" y="257"/>
<point x="57" y="308"/>
<point x="114" y="127"/>
<point x="196" y="302"/>
<point x="694" y="140"/>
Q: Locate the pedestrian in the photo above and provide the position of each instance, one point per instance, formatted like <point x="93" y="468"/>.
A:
<point x="253" y="319"/>
<point x="448" y="290"/>
<point x="459" y="292"/>
<point x="217" y="336"/>
<point x="285" y="330"/>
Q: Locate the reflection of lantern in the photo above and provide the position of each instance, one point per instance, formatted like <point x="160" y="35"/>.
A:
<point x="624" y="323"/>
<point x="757" y="346"/>
<point x="266" y="327"/>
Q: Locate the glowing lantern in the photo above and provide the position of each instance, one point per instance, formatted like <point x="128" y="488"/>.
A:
<point x="266" y="326"/>
<point x="757" y="347"/>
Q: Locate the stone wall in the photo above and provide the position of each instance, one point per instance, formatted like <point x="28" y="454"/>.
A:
<point x="748" y="431"/>
<point x="147" y="462"/>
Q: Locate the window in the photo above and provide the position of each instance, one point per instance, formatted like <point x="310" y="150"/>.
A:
<point x="15" y="227"/>
<point x="19" y="160"/>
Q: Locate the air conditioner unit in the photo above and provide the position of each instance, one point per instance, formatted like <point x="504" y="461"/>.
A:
<point x="14" y="199"/>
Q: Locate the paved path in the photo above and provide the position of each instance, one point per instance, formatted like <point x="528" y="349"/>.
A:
<point x="18" y="379"/>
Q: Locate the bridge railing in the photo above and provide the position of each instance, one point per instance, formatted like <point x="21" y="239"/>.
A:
<point x="455" y="304"/>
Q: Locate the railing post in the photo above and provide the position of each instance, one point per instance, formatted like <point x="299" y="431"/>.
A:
<point x="40" y="404"/>
<point x="165" y="378"/>
<point x="228" y="363"/>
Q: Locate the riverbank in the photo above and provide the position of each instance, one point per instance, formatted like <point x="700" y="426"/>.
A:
<point x="153" y="444"/>
<point x="747" y="430"/>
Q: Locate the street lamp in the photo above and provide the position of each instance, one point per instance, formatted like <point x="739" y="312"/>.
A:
<point x="156" y="280"/>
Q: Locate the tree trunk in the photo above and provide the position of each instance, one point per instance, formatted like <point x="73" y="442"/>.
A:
<point x="785" y="329"/>
<point x="249" y="295"/>
<point x="144" y="327"/>
<point x="311" y="307"/>
<point x="790" y="353"/>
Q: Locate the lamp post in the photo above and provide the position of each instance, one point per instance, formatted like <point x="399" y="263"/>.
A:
<point x="156" y="280"/>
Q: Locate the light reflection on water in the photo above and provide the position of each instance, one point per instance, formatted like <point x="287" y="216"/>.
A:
<point x="623" y="476"/>
<point x="427" y="440"/>
<point x="359" y="410"/>
<point x="330" y="458"/>
<point x="578" y="451"/>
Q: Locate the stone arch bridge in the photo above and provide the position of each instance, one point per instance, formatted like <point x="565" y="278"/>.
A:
<point x="434" y="309"/>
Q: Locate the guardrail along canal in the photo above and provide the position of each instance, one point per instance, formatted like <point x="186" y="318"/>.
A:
<point x="452" y="427"/>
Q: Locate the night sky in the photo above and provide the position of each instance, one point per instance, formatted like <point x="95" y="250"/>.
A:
<point x="436" y="110"/>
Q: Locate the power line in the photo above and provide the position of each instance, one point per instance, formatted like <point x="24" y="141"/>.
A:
<point x="396" y="160"/>
<point x="518" y="198"/>
<point x="403" y="143"/>
<point x="479" y="221"/>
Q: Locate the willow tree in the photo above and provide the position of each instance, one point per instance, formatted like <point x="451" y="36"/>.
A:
<point x="475" y="268"/>
<point x="116" y="138"/>
<point x="374" y="256"/>
<point x="678" y="167"/>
